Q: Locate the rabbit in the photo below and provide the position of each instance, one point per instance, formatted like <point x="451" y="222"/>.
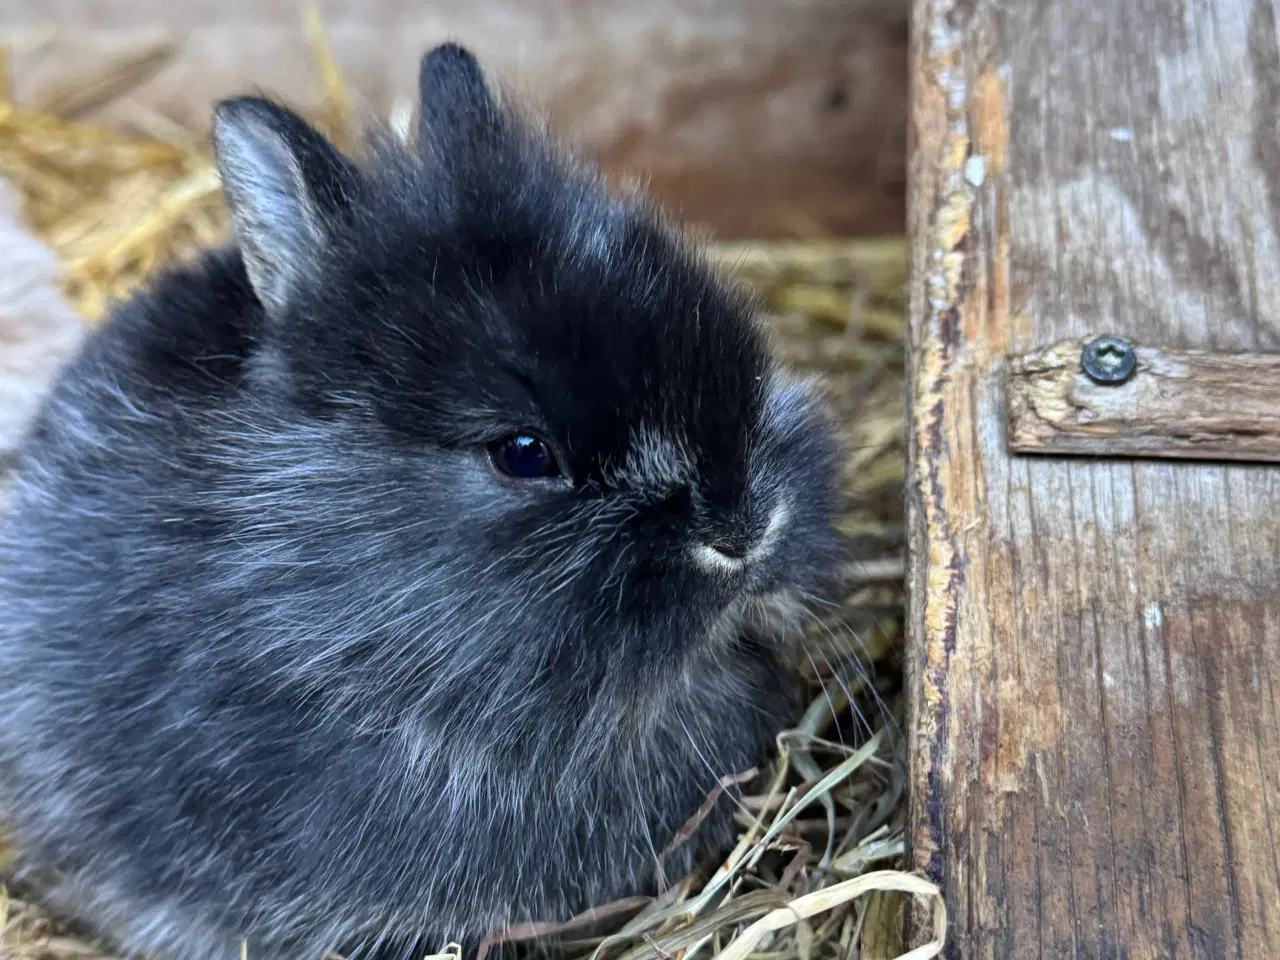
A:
<point x="403" y="569"/>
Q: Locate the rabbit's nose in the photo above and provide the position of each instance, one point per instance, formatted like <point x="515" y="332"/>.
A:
<point x="732" y="551"/>
<point x="735" y="548"/>
<point x="713" y="559"/>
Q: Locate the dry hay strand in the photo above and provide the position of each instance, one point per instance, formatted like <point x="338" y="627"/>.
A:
<point x="816" y="870"/>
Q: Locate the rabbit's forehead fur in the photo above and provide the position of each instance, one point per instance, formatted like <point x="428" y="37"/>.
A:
<point x="512" y="295"/>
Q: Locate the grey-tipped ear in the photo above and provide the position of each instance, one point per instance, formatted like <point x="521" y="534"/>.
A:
<point x="284" y="184"/>
<point x="454" y="100"/>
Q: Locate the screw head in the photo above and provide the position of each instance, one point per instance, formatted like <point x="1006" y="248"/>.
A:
<point x="1109" y="360"/>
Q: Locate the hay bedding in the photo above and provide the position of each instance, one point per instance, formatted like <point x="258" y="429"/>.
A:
<point x="814" y="874"/>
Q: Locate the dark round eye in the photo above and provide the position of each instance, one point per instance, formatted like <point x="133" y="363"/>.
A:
<point x="524" y="457"/>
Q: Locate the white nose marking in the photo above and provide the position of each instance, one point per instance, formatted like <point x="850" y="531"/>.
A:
<point x="711" y="559"/>
<point x="777" y="520"/>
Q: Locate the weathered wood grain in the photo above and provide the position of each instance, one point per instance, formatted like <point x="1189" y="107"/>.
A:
<point x="1095" y="728"/>
<point x="1177" y="404"/>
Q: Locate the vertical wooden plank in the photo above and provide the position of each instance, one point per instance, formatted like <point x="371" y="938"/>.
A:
<point x="1094" y="644"/>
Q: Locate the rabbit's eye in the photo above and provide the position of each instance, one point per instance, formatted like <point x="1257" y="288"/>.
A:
<point x="524" y="457"/>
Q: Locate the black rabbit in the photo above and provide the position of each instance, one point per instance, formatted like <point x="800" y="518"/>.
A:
<point x="395" y="572"/>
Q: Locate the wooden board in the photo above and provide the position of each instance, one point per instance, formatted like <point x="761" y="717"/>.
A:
<point x="755" y="117"/>
<point x="1175" y="404"/>
<point x="1095" y="646"/>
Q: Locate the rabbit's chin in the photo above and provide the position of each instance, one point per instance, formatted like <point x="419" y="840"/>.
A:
<point x="774" y="620"/>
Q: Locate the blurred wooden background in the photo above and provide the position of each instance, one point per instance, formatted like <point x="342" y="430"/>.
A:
<point x="757" y="118"/>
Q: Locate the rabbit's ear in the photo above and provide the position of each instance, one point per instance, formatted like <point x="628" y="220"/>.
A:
<point x="454" y="101"/>
<point x="284" y="184"/>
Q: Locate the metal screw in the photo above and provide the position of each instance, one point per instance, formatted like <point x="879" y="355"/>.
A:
<point x="1109" y="360"/>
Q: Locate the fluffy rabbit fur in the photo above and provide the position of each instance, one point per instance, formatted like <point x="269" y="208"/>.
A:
<point x="285" y="657"/>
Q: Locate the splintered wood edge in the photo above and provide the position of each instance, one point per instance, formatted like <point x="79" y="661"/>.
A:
<point x="1187" y="405"/>
<point x="946" y="128"/>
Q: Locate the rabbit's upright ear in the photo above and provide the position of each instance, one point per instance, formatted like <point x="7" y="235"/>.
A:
<point x="284" y="184"/>
<point x="456" y="106"/>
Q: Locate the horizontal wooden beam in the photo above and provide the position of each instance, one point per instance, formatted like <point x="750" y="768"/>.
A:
<point x="1175" y="404"/>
